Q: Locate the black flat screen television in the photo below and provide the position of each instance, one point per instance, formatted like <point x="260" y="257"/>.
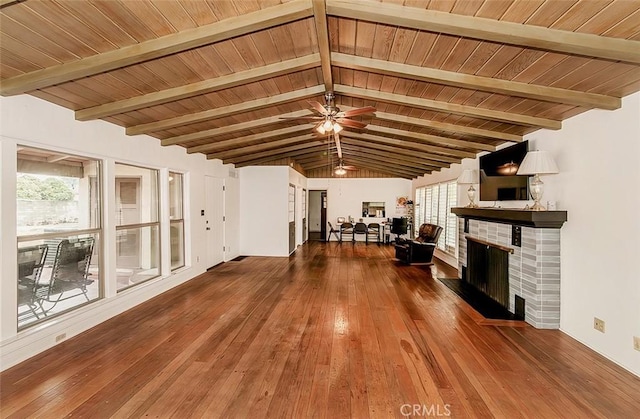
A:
<point x="498" y="179"/>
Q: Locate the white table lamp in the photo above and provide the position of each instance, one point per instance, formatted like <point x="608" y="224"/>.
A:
<point x="537" y="163"/>
<point x="469" y="177"/>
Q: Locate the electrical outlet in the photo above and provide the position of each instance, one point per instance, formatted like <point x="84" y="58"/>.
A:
<point x="598" y="324"/>
<point x="61" y="337"/>
<point x="636" y="343"/>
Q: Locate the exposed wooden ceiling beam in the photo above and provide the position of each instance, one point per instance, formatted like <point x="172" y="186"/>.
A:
<point x="356" y="160"/>
<point x="453" y="108"/>
<point x="7" y="3"/>
<point x="436" y="139"/>
<point x="443" y="154"/>
<point x="322" y="32"/>
<point x="160" y="47"/>
<point x="385" y="168"/>
<point x="432" y="139"/>
<point x="278" y="154"/>
<point x="443" y="126"/>
<point x="223" y="155"/>
<point x="246" y="156"/>
<point x="228" y="129"/>
<point x="199" y="88"/>
<point x="224" y="111"/>
<point x="238" y="142"/>
<point x="394" y="158"/>
<point x="489" y="29"/>
<point x="272" y="155"/>
<point x="426" y="157"/>
<point x="469" y="81"/>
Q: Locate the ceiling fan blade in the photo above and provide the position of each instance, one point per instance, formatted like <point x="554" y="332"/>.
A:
<point x="346" y="167"/>
<point x="303" y="118"/>
<point x="318" y="107"/>
<point x="351" y="123"/>
<point x="359" y="111"/>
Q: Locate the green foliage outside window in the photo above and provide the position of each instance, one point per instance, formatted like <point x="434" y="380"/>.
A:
<point x="49" y="189"/>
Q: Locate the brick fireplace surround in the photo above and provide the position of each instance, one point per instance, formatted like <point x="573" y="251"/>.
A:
<point x="534" y="265"/>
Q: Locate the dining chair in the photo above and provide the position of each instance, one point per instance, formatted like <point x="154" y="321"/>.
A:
<point x="346" y="228"/>
<point x="359" y="228"/>
<point x="334" y="232"/>
<point x="373" y="230"/>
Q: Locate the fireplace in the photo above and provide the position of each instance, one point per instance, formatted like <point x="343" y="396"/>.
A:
<point x="488" y="270"/>
<point x="532" y="240"/>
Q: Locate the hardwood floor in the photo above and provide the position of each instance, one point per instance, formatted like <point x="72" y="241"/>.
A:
<point x="333" y="331"/>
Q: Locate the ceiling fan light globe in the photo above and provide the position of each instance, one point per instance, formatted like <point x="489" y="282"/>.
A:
<point x="337" y="128"/>
<point x="340" y="171"/>
<point x="320" y="129"/>
<point x="328" y="125"/>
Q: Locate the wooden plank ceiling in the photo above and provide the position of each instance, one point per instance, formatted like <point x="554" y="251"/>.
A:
<point x="448" y="79"/>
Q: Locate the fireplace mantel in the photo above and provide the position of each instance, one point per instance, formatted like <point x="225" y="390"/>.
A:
<point x="536" y="219"/>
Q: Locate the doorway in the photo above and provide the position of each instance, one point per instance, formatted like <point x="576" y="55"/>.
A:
<point x="292" y="218"/>
<point x="317" y="215"/>
<point x="214" y="220"/>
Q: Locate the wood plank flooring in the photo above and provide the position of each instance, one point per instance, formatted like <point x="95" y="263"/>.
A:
<point x="333" y="331"/>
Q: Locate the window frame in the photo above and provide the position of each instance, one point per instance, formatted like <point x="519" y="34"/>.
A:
<point x="97" y="232"/>
<point x="180" y="220"/>
<point x="149" y="224"/>
<point x="433" y="205"/>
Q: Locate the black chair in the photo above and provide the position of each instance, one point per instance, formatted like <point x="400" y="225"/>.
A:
<point x="334" y="232"/>
<point x="360" y="228"/>
<point x="346" y="228"/>
<point x="373" y="230"/>
<point x="30" y="263"/>
<point x="419" y="250"/>
<point x="69" y="277"/>
<point x="399" y="227"/>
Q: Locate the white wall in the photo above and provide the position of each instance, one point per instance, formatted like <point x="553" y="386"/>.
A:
<point x="32" y="122"/>
<point x="598" y="154"/>
<point x="345" y="196"/>
<point x="263" y="210"/>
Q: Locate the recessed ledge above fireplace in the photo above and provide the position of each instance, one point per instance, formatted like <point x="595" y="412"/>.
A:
<point x="536" y="219"/>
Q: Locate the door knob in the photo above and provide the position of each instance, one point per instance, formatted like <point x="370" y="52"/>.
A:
<point x="208" y="228"/>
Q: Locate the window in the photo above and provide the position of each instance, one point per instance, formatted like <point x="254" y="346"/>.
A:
<point x="137" y="225"/>
<point x="59" y="230"/>
<point x="433" y="205"/>
<point x="176" y="219"/>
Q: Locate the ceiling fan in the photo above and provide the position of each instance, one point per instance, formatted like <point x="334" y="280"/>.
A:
<point x="331" y="119"/>
<point x="341" y="168"/>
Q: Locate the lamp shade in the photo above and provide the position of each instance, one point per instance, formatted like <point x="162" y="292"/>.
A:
<point x="538" y="162"/>
<point x="468" y="177"/>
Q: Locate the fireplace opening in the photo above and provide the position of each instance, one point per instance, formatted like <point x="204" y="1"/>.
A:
<point x="484" y="282"/>
<point x="488" y="270"/>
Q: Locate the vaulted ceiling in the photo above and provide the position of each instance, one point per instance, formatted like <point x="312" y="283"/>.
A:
<point x="448" y="79"/>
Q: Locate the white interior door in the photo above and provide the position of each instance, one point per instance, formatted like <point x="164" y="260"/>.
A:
<point x="214" y="222"/>
<point x="128" y="212"/>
